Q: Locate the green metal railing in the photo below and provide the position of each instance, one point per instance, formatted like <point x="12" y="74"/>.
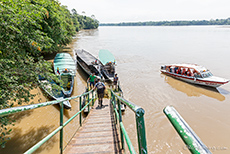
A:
<point x="13" y="110"/>
<point x="192" y="141"/>
<point x="140" y="123"/>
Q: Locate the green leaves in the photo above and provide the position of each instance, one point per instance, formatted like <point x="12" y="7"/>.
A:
<point x="83" y="22"/>
<point x="28" y="29"/>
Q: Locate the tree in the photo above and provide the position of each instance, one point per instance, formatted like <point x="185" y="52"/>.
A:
<point x="27" y="29"/>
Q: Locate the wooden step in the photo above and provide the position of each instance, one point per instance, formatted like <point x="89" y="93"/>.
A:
<point x="98" y="135"/>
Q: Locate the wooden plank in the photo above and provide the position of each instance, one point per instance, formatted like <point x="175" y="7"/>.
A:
<point x="99" y="133"/>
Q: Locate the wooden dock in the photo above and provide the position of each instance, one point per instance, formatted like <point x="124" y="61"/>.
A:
<point x="98" y="135"/>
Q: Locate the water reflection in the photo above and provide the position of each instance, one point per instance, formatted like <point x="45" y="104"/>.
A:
<point x="193" y="90"/>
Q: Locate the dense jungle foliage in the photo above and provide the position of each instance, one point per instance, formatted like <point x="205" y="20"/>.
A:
<point x="172" y="23"/>
<point x="28" y="29"/>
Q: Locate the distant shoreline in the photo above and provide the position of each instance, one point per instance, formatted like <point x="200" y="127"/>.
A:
<point x="172" y="23"/>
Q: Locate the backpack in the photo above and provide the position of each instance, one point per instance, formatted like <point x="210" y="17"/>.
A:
<point x="100" y="87"/>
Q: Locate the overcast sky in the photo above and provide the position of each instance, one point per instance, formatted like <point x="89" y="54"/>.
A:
<point x="114" y="11"/>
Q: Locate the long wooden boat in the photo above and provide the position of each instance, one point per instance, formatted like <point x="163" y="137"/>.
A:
<point x="193" y="73"/>
<point x="50" y="87"/>
<point x="65" y="67"/>
<point x="89" y="63"/>
<point x="108" y="61"/>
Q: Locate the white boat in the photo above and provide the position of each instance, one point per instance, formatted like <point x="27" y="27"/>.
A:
<point x="193" y="73"/>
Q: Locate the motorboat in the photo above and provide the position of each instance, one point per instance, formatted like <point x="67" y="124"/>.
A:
<point x="89" y="63"/>
<point x="193" y="73"/>
<point x="109" y="62"/>
<point x="51" y="88"/>
<point x="65" y="68"/>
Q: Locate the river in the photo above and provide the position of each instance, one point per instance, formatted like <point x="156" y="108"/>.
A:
<point x="139" y="52"/>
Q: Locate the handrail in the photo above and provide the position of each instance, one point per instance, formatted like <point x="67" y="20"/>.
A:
<point x="140" y="124"/>
<point x="192" y="141"/>
<point x="36" y="146"/>
<point x="13" y="110"/>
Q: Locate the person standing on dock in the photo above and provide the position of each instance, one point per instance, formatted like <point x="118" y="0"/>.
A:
<point x="115" y="80"/>
<point x="100" y="92"/>
<point x="91" y="79"/>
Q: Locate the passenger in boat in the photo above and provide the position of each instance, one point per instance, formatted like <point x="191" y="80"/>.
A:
<point x="195" y="74"/>
<point x="176" y="68"/>
<point x="182" y="71"/>
<point x="178" y="71"/>
<point x="172" y="69"/>
<point x="191" y="74"/>
<point x="68" y="85"/>
<point x="199" y="75"/>
<point x="188" y="72"/>
<point x="100" y="86"/>
<point x="91" y="80"/>
<point x="58" y="70"/>
<point x="168" y="69"/>
<point x="115" y="80"/>
<point x="66" y="70"/>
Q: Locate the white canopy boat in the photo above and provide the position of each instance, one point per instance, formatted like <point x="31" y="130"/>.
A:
<point x="193" y="73"/>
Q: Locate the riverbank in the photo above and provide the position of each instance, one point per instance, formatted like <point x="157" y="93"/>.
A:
<point x="32" y="126"/>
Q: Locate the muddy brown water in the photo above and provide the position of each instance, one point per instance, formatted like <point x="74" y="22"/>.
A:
<point x="139" y="52"/>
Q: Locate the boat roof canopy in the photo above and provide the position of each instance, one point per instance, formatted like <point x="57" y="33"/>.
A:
<point x="194" y="66"/>
<point x="106" y="56"/>
<point x="63" y="61"/>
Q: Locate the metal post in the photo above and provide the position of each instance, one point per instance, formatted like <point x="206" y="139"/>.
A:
<point x="120" y="120"/>
<point x="190" y="138"/>
<point x="114" y="107"/>
<point x="80" y="110"/>
<point x="111" y="98"/>
<point x="61" y="124"/>
<point x="89" y="104"/>
<point x="92" y="99"/>
<point x="112" y="102"/>
<point x="140" y="123"/>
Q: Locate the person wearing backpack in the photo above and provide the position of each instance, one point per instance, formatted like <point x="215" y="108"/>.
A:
<point x="100" y="91"/>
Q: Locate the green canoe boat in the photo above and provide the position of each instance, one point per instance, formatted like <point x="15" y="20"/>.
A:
<point x="50" y="87"/>
<point x="105" y="56"/>
<point x="65" y="66"/>
<point x="108" y="61"/>
<point x="63" y="61"/>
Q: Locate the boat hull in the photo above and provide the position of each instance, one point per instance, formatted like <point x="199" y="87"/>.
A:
<point x="108" y="61"/>
<point x="70" y="78"/>
<point x="86" y="62"/>
<point x="107" y="76"/>
<point x="53" y="93"/>
<point x="194" y="80"/>
<point x="63" y="61"/>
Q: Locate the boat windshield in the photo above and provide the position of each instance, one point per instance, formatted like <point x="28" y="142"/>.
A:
<point x="206" y="74"/>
